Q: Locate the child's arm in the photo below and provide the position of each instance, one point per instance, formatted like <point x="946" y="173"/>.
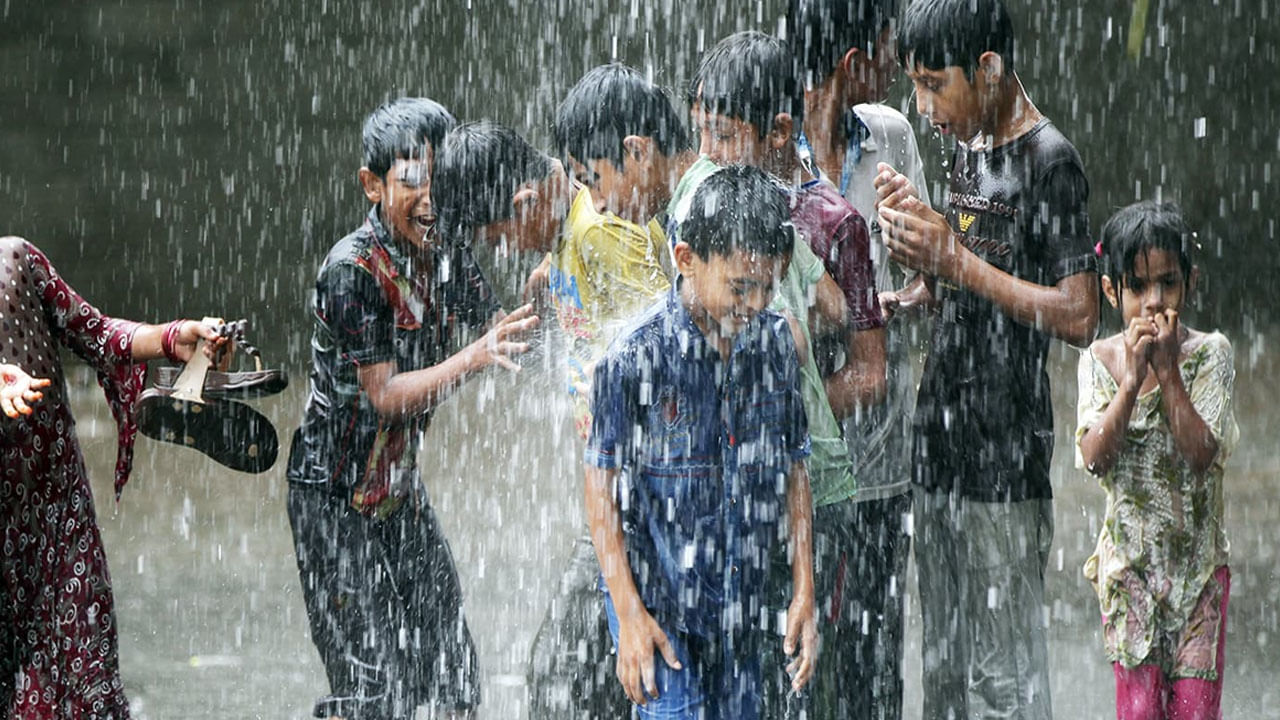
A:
<point x="614" y="413"/>
<point x="638" y="633"/>
<point x="860" y="382"/>
<point x="802" y="620"/>
<point x="1191" y="434"/>
<point x="892" y="188"/>
<point x="1102" y="443"/>
<point x="400" y="395"/>
<point x="921" y="238"/>
<point x="537" y="286"/>
<point x="829" y="312"/>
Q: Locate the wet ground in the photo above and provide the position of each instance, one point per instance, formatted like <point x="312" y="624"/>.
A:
<point x="211" y="615"/>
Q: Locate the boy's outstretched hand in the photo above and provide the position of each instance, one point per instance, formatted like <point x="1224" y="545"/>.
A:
<point x="802" y="626"/>
<point x="18" y="390"/>
<point x="638" y="637"/>
<point x="504" y="340"/>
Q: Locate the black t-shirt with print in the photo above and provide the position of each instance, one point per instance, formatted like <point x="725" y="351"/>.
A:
<point x="984" y="422"/>
<point x="370" y="307"/>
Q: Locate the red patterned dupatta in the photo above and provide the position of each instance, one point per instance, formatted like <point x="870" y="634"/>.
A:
<point x="104" y="343"/>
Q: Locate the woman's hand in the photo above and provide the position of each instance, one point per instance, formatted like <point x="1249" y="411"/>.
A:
<point x="18" y="390"/>
<point x="189" y="333"/>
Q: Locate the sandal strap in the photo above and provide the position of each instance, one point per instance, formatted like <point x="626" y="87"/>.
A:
<point x="235" y="331"/>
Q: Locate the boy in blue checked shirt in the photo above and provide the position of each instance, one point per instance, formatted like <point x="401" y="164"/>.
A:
<point x="697" y="448"/>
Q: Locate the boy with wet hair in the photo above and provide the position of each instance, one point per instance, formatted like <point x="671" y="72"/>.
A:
<point x="501" y="199"/>
<point x="1009" y="266"/>
<point x="846" y="57"/>
<point x="381" y="590"/>
<point x="622" y="137"/>
<point x="740" y="82"/>
<point x="624" y="140"/>
<point x="697" y="448"/>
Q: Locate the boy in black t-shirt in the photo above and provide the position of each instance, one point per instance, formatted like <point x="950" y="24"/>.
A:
<point x="391" y="303"/>
<point x="1008" y="267"/>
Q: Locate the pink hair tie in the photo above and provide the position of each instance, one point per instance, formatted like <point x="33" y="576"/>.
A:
<point x="1097" y="249"/>
<point x="169" y="338"/>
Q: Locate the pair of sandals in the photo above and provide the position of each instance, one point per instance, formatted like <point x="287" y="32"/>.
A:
<point x="198" y="406"/>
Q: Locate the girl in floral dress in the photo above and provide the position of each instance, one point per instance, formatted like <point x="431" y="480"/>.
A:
<point x="1155" y="425"/>
<point x="58" y="649"/>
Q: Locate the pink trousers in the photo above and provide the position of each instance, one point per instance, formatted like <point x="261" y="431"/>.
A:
<point x="1144" y="693"/>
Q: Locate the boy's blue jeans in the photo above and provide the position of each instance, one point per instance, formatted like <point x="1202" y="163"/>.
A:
<point x="714" y="684"/>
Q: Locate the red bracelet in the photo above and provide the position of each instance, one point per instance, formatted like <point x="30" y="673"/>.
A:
<point x="170" y="336"/>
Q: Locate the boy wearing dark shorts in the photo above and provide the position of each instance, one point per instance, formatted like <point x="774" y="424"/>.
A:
<point x="381" y="591"/>
<point x="1008" y="267"/>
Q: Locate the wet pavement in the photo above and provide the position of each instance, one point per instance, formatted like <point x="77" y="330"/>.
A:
<point x="211" y="615"/>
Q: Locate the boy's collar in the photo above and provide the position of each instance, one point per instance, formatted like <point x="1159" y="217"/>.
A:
<point x="404" y="260"/>
<point x="684" y="318"/>
<point x="401" y="262"/>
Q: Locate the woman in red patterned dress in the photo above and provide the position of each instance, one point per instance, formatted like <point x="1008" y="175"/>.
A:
<point x="58" y="648"/>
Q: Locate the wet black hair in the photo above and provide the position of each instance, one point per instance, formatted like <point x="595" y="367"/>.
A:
<point x="937" y="34"/>
<point x="478" y="170"/>
<point x="821" y="32"/>
<point x="749" y="76"/>
<point x="738" y="207"/>
<point x="401" y="129"/>
<point x="1140" y="227"/>
<point x="609" y="103"/>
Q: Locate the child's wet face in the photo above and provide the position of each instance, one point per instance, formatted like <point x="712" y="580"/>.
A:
<point x="540" y="209"/>
<point x="406" y="201"/>
<point x="613" y="189"/>
<point x="1153" y="285"/>
<point x="727" y="291"/>
<point x="729" y="141"/>
<point x="948" y="100"/>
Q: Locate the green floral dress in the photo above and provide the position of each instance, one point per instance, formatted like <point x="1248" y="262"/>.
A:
<point x="1162" y="539"/>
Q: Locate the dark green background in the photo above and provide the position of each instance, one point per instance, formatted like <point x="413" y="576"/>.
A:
<point x="179" y="157"/>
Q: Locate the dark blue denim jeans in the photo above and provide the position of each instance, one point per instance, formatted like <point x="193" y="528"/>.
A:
<point x="715" y="682"/>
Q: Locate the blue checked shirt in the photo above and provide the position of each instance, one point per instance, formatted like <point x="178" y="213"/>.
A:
<point x="703" y="447"/>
